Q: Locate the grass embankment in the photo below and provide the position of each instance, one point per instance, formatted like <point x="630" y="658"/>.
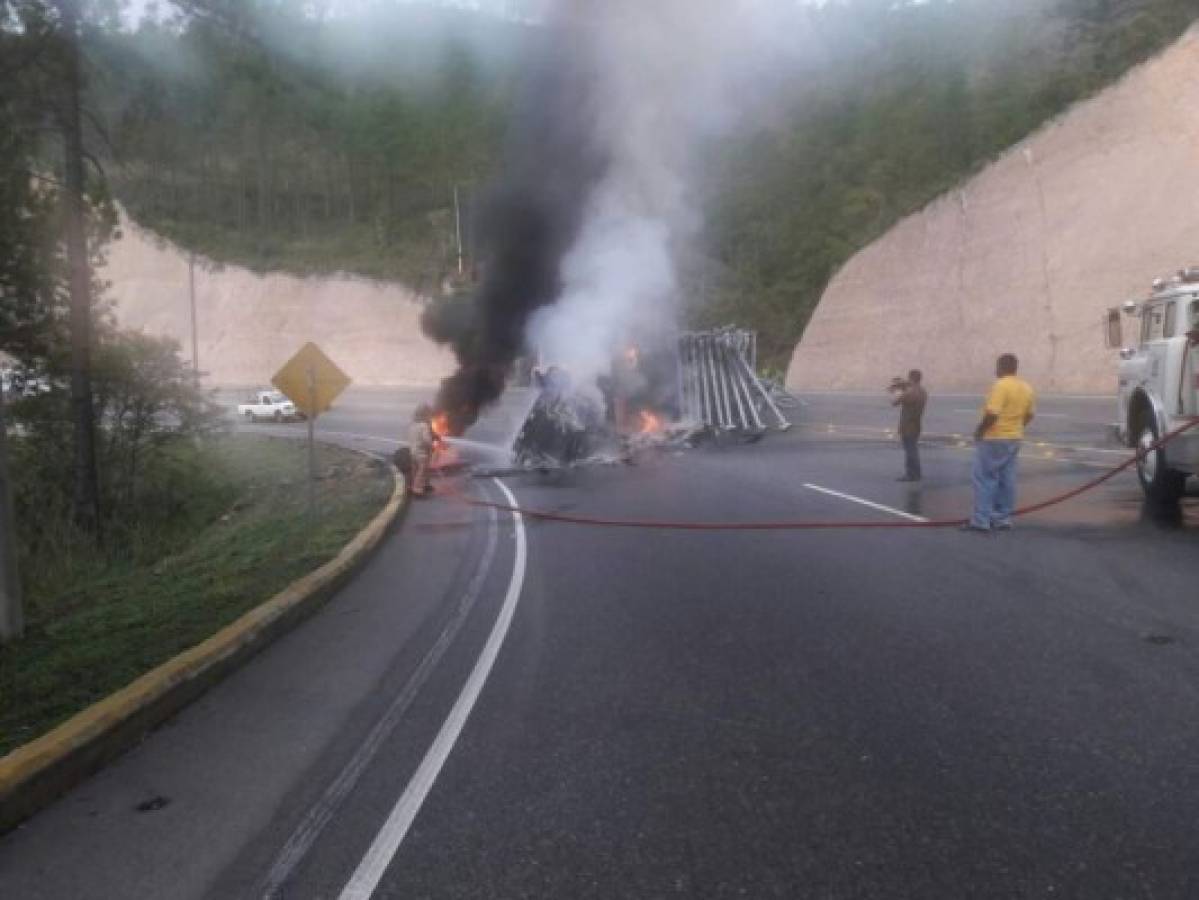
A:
<point x="95" y="622"/>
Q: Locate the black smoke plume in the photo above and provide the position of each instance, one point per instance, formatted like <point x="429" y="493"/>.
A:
<point x="530" y="220"/>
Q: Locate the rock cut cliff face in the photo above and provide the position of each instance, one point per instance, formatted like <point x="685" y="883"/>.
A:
<point x="1028" y="255"/>
<point x="250" y="324"/>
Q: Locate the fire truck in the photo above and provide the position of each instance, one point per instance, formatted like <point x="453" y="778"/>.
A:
<point x="1159" y="381"/>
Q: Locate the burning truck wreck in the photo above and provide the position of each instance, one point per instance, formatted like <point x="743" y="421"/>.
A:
<point x="701" y="385"/>
<point x="562" y="428"/>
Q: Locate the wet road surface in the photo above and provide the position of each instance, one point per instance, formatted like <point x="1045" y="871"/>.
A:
<point x="504" y="708"/>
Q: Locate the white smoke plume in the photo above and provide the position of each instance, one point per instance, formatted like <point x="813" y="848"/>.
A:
<point x="668" y="74"/>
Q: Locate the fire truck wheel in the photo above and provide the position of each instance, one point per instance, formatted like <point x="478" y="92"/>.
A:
<point x="1160" y="483"/>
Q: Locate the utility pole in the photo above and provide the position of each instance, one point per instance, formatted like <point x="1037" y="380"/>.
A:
<point x="191" y="290"/>
<point x="12" y="621"/>
<point x="458" y="227"/>
<point x="87" y="490"/>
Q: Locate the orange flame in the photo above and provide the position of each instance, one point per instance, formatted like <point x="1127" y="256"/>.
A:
<point x="649" y="422"/>
<point x="441" y="425"/>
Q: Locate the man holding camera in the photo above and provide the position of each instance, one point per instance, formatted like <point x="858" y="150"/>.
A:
<point x="911" y="398"/>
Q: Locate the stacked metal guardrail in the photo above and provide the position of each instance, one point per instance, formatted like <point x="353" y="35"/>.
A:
<point x="717" y="385"/>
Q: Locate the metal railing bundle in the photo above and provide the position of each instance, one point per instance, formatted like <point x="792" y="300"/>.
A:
<point x="717" y="385"/>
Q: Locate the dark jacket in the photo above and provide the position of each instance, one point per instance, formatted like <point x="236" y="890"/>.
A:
<point x="911" y="405"/>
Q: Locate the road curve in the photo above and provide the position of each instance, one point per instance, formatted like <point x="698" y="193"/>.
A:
<point x="821" y="714"/>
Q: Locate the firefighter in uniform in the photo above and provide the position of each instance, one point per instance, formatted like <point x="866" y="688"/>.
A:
<point x="421" y="442"/>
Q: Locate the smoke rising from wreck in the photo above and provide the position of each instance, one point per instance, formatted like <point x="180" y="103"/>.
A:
<point x="528" y="223"/>
<point x="582" y="235"/>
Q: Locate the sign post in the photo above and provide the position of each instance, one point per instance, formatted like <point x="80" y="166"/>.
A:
<point x="312" y="382"/>
<point x="312" y="442"/>
<point x="12" y="622"/>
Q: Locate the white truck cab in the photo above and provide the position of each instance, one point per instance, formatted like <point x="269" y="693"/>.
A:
<point x="1159" y="381"/>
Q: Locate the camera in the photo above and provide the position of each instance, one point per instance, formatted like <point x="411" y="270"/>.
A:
<point x="898" y="385"/>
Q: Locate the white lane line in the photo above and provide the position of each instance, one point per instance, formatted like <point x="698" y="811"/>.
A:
<point x="870" y="503"/>
<point x="1072" y="462"/>
<point x="1040" y="415"/>
<point x="1097" y="398"/>
<point x="930" y="438"/>
<point x="366" y="877"/>
<point x="361" y="437"/>
<point x="322" y="812"/>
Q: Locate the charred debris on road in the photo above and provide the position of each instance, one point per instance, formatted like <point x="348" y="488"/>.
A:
<point x="699" y="387"/>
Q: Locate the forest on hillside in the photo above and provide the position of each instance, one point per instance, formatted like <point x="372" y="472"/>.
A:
<point x="901" y="112"/>
<point x="303" y="144"/>
<point x="321" y="143"/>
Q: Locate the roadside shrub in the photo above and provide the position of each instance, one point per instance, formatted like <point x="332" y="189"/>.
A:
<point x="157" y="478"/>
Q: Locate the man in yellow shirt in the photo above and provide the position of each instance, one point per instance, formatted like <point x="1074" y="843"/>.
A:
<point x="1010" y="406"/>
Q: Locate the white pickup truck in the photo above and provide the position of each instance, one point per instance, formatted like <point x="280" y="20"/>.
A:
<point x="271" y="405"/>
<point x="1159" y="381"/>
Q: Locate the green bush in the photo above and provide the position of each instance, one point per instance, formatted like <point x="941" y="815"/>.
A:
<point x="155" y="480"/>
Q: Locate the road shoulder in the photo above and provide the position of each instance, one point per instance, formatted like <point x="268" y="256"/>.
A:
<point x="38" y="772"/>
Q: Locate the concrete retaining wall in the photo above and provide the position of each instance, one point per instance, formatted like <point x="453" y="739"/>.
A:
<point x="251" y="324"/>
<point x="1026" y="256"/>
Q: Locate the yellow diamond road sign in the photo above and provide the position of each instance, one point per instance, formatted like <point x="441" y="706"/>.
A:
<point x="311" y="380"/>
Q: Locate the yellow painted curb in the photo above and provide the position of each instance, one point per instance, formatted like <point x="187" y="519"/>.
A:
<point x="36" y="773"/>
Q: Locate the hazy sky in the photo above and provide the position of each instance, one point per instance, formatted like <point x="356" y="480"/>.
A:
<point x="136" y="8"/>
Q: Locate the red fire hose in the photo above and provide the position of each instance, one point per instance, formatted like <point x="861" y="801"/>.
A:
<point x="595" y="521"/>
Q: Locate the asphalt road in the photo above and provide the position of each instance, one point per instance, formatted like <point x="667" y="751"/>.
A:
<point x="498" y="708"/>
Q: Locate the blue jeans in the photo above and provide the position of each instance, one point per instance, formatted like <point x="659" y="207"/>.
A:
<point x="911" y="455"/>
<point x="994" y="480"/>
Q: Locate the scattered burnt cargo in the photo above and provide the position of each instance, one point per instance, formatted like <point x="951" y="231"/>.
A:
<point x="704" y="383"/>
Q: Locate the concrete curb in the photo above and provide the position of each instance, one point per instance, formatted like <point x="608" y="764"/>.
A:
<point x="38" y="772"/>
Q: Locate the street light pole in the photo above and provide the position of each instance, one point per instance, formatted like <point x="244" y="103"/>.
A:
<point x="12" y="620"/>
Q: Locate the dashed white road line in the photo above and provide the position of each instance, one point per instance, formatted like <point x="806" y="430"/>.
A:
<point x="829" y="428"/>
<point x="977" y="395"/>
<point x="322" y="812"/>
<point x="869" y="503"/>
<point x="370" y="871"/>
<point x="358" y="436"/>
<point x="1106" y="451"/>
<point x="1040" y="415"/>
